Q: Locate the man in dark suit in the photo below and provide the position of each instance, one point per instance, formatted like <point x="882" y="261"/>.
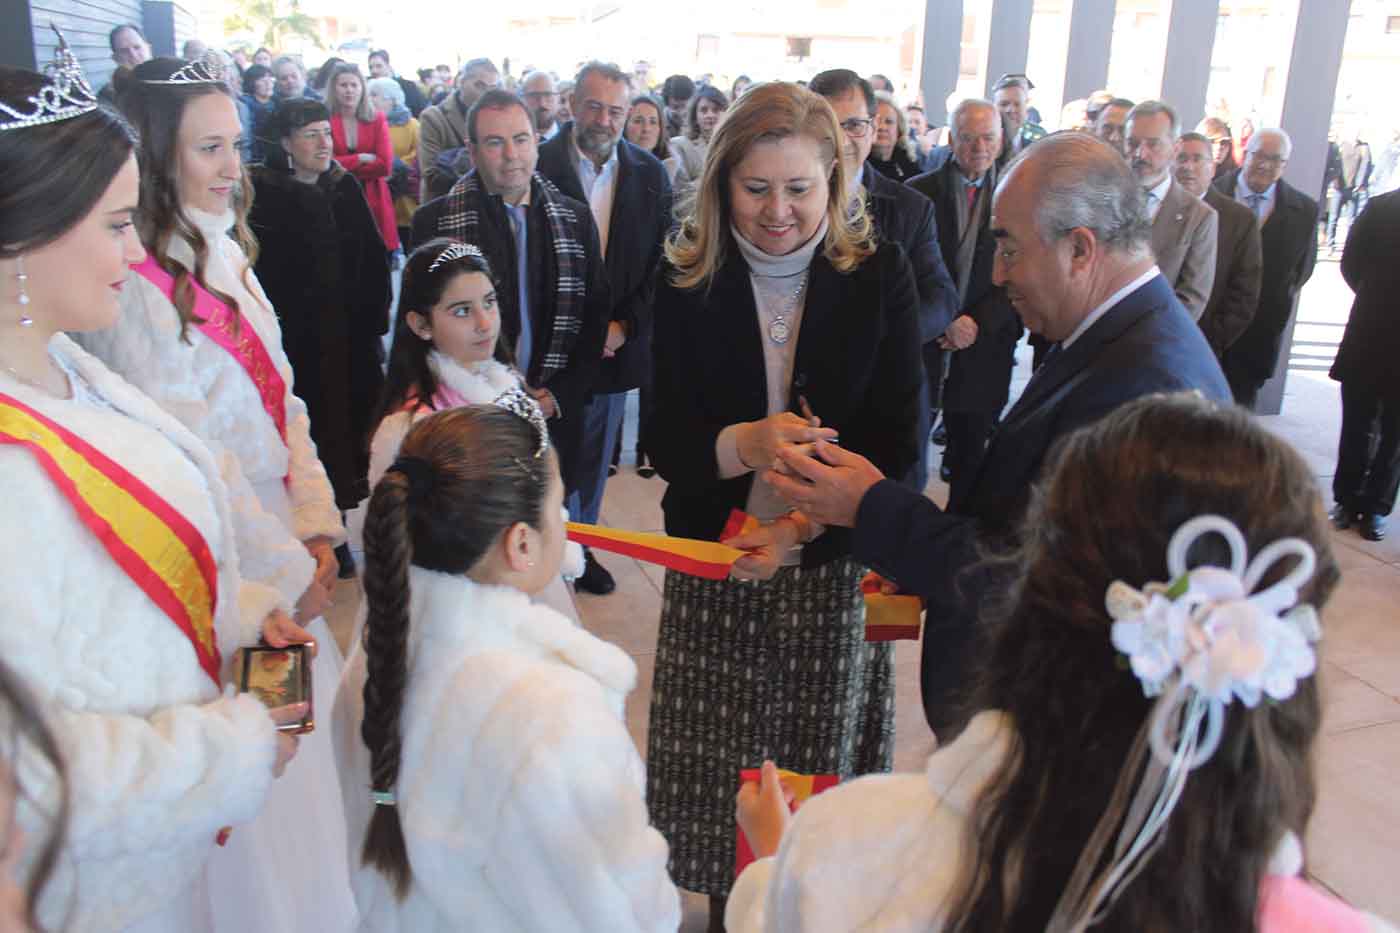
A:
<point x="1368" y="454"/>
<point x="1073" y="254"/>
<point x="630" y="197"/>
<point x="542" y="246"/>
<point x="899" y="215"/>
<point x="1288" y="231"/>
<point x="982" y="338"/>
<point x="1239" y="253"/>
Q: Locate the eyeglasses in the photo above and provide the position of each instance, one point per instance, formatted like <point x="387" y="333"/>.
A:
<point x="857" y="127"/>
<point x="1266" y="160"/>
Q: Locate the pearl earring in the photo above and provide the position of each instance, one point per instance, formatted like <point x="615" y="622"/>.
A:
<point x="24" y="320"/>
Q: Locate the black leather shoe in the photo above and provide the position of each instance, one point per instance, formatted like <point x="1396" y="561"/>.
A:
<point x="595" y="578"/>
<point x="945" y="473"/>
<point x="1342" y="517"/>
<point x="346" y="561"/>
<point x="644" y="468"/>
<point x="940" y="435"/>
<point x="1372" y="526"/>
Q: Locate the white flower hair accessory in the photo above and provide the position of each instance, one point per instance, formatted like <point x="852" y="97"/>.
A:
<point x="1197" y="643"/>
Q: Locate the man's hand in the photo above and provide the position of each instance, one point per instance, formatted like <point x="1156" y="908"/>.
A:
<point x="827" y="487"/>
<point x="617" y="336"/>
<point x="960" y="335"/>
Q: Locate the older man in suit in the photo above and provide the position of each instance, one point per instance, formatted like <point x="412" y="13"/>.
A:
<point x="982" y="338"/>
<point x="900" y="215"/>
<point x="1368" y="453"/>
<point x="1288" y="232"/>
<point x="630" y="197"/>
<point x="1073" y="255"/>
<point x="1239" y="252"/>
<point x="1183" y="228"/>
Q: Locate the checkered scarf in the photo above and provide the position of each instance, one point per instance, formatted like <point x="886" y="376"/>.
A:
<point x="568" y="263"/>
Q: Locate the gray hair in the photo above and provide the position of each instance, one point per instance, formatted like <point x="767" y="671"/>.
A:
<point x="1084" y="182"/>
<point x="1152" y="108"/>
<point x="477" y="64"/>
<point x="608" y="70"/>
<point x="281" y="60"/>
<point x="1275" y="132"/>
<point x="967" y="106"/>
<point x="387" y="88"/>
<point x="537" y="73"/>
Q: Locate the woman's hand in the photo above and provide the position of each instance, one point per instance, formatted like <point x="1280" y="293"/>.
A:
<point x="327" y="567"/>
<point x="314" y="602"/>
<point x="763" y="811"/>
<point x="760" y="441"/>
<point x="279" y="631"/>
<point x="367" y="157"/>
<point x="766" y="544"/>
<point x="286" y="743"/>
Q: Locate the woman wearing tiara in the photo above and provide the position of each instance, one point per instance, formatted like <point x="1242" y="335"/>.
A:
<point x="121" y="602"/>
<point x="198" y="335"/>
<point x="446" y="354"/>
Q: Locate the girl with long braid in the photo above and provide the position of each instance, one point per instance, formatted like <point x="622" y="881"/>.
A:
<point x="486" y="769"/>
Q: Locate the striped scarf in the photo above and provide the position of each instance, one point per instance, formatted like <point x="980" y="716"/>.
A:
<point x="566" y="258"/>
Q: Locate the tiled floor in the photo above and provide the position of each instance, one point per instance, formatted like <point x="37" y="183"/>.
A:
<point x="1352" y="842"/>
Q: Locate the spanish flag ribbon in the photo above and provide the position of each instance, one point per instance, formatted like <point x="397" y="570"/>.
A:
<point x="708" y="559"/>
<point x="157" y="547"/>
<point x="890" y="616"/>
<point x="802" y="786"/>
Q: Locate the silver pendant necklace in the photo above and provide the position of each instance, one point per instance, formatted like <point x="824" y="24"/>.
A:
<point x="779" y="330"/>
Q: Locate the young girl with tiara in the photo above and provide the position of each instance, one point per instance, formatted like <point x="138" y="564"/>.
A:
<point x="489" y="779"/>
<point x="197" y="334"/>
<point x="446" y="354"/>
<point x="1142" y="758"/>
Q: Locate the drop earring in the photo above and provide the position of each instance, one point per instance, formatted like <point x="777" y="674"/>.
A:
<point x="24" y="320"/>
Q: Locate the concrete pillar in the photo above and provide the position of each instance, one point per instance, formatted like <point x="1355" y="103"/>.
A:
<point x="1308" y="100"/>
<point x="1090" y="41"/>
<point x="17" y="38"/>
<point x="1190" y="44"/>
<point x="1010" y="40"/>
<point x="938" y="73"/>
<point x="158" y="20"/>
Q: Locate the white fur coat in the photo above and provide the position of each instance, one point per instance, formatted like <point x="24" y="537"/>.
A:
<point x="884" y="852"/>
<point x="207" y="390"/>
<point x="158" y="758"/>
<point x="520" y="791"/>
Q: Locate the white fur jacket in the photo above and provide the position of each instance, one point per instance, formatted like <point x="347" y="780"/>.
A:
<point x="158" y="757"/>
<point x="207" y="390"/>
<point x="884" y="852"/>
<point x="520" y="791"/>
<point x="480" y="384"/>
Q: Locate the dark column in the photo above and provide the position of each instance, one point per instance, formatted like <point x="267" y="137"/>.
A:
<point x="1190" y="44"/>
<point x="158" y="19"/>
<point x="938" y="76"/>
<point x="1010" y="40"/>
<point x="1090" y="41"/>
<point x="1307" y="112"/>
<point x="17" y="38"/>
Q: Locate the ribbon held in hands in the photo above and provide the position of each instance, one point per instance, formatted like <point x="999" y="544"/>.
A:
<point x="802" y="787"/>
<point x="890" y="616"/>
<point x="707" y="559"/>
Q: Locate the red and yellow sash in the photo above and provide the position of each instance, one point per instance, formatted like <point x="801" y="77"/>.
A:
<point x="158" y="548"/>
<point x="230" y="330"/>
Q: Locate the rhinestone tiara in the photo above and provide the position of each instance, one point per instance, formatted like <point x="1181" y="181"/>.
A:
<point x="453" y="252"/>
<point x="206" y="70"/>
<point x="65" y="95"/>
<point x="521" y="404"/>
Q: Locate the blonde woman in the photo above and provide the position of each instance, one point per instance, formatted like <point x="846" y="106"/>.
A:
<point x="817" y="327"/>
<point x="892" y="154"/>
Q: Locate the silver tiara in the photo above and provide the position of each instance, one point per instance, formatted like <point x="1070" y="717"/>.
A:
<point x="453" y="252"/>
<point x="66" y="95"/>
<point x="207" y="70"/>
<point x="520" y="403"/>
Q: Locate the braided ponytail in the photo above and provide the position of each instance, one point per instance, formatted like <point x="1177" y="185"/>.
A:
<point x="388" y="552"/>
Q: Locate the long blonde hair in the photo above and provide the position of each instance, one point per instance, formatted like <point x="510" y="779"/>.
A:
<point x="768" y="112"/>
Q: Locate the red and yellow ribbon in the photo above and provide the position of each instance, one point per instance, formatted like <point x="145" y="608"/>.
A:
<point x="159" y="549"/>
<point x="708" y="559"/>
<point x="801" y="786"/>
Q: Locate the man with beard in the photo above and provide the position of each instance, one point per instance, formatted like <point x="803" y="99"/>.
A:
<point x="1184" y="228"/>
<point x="542" y="100"/>
<point x="629" y="194"/>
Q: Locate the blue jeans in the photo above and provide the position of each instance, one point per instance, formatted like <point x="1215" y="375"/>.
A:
<point x="602" y="423"/>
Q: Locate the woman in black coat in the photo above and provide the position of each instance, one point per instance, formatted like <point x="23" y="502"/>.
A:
<point x="777" y="322"/>
<point x="323" y="265"/>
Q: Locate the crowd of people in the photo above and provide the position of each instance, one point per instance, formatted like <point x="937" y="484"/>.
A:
<point x="197" y="423"/>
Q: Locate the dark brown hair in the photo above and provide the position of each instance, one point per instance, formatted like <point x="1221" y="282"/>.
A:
<point x="462" y="478"/>
<point x="1113" y="495"/>
<point x="662" y="149"/>
<point x="157" y="110"/>
<point x="53" y="175"/>
<point x="28" y="734"/>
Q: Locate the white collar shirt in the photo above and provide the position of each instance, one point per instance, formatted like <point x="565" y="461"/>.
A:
<point x="600" y="187"/>
<point x="1108" y="305"/>
<point x="1247" y="196"/>
<point x="1155" y="194"/>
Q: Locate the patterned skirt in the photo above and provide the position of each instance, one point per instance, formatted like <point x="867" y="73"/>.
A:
<point x="745" y="672"/>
